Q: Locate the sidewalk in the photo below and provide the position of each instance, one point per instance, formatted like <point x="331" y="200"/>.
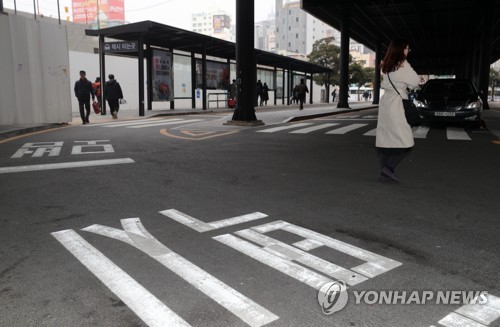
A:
<point x="269" y="115"/>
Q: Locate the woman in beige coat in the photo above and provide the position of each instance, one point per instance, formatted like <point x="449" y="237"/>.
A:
<point x="394" y="136"/>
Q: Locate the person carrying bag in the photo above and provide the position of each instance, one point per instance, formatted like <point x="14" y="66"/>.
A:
<point x="394" y="138"/>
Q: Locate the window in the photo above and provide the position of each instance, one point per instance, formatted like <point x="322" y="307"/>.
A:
<point x="289" y="28"/>
<point x="289" y="12"/>
<point x="297" y="35"/>
<point x="296" y="19"/>
<point x="277" y="29"/>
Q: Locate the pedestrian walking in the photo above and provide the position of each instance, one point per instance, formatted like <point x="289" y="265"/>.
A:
<point x="258" y="92"/>
<point x="334" y="95"/>
<point x="394" y="137"/>
<point x="366" y="94"/>
<point x="301" y="93"/>
<point x="265" y="94"/>
<point x="113" y="93"/>
<point x="233" y="89"/>
<point x="83" y="92"/>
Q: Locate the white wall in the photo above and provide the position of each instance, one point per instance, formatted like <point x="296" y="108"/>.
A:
<point x="35" y="85"/>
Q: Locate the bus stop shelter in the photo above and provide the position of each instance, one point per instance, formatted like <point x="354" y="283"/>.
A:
<point x="149" y="35"/>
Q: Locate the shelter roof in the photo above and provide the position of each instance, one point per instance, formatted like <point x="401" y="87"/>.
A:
<point x="159" y="35"/>
<point x="442" y="33"/>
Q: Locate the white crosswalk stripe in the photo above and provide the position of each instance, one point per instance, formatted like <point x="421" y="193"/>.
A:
<point x="420" y="132"/>
<point x="346" y="129"/>
<point x="455" y="133"/>
<point x="148" y="122"/>
<point x="282" y="128"/>
<point x="313" y="128"/>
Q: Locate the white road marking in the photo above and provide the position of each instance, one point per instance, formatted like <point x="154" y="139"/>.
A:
<point x="135" y="234"/>
<point x="131" y="123"/>
<point x="166" y="122"/>
<point x="420" y="132"/>
<point x="63" y="165"/>
<point x="201" y="226"/>
<point x="313" y="128"/>
<point x="291" y="269"/>
<point x="375" y="265"/>
<point x="307" y="244"/>
<point x="372" y="132"/>
<point x="147" y="307"/>
<point x="290" y="253"/>
<point x="346" y="129"/>
<point x="483" y="313"/>
<point x="456" y="320"/>
<point x="281" y="128"/>
<point x="455" y="133"/>
<point x="476" y="314"/>
<point x="102" y="148"/>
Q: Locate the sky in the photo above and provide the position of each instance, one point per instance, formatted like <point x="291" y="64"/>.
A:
<point x="169" y="12"/>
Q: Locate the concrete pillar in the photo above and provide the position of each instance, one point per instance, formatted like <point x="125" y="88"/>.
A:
<point x="344" y="58"/>
<point x="245" y="62"/>
<point x="141" y="75"/>
<point x="485" y="55"/>
<point x="376" y="82"/>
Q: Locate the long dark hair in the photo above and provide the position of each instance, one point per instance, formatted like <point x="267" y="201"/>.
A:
<point x="395" y="56"/>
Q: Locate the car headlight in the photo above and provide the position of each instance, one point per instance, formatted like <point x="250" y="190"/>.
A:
<point x="474" y="105"/>
<point x="419" y="104"/>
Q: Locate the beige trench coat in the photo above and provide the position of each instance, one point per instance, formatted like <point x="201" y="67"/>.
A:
<point x="392" y="129"/>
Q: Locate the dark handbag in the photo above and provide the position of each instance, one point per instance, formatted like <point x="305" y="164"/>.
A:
<point x="411" y="111"/>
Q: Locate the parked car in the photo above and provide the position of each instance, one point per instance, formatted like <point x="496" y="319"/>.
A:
<point x="450" y="100"/>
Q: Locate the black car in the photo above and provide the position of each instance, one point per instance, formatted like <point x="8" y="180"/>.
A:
<point x="450" y="100"/>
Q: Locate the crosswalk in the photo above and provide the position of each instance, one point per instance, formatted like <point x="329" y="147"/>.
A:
<point x="342" y="128"/>
<point x="148" y="122"/>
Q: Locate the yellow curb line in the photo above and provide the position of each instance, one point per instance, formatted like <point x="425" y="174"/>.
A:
<point x="33" y="133"/>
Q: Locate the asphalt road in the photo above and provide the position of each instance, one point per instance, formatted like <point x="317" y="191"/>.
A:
<point x="171" y="255"/>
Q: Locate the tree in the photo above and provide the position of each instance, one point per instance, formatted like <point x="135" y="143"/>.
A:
<point x="326" y="54"/>
<point x="361" y="76"/>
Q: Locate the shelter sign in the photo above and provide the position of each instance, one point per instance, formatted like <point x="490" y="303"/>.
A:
<point x="162" y="74"/>
<point x="127" y="46"/>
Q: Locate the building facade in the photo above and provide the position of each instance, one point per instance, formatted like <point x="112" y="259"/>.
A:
<point x="296" y="31"/>
<point x="215" y="23"/>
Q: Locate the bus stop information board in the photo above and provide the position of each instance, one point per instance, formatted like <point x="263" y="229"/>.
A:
<point x="128" y="46"/>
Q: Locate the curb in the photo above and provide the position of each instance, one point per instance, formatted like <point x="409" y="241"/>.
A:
<point x="13" y="133"/>
<point x="326" y="114"/>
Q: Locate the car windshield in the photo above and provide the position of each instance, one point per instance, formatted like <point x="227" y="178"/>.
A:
<point x="448" y="87"/>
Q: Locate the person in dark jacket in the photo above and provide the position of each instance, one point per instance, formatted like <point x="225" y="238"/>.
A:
<point x="113" y="93"/>
<point x="83" y="92"/>
<point x="302" y="90"/>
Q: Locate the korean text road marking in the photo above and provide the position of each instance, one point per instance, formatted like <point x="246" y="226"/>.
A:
<point x="201" y="227"/>
<point x="135" y="234"/>
<point x="92" y="145"/>
<point x="279" y="255"/>
<point x="151" y="310"/>
<point x="39" y="149"/>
